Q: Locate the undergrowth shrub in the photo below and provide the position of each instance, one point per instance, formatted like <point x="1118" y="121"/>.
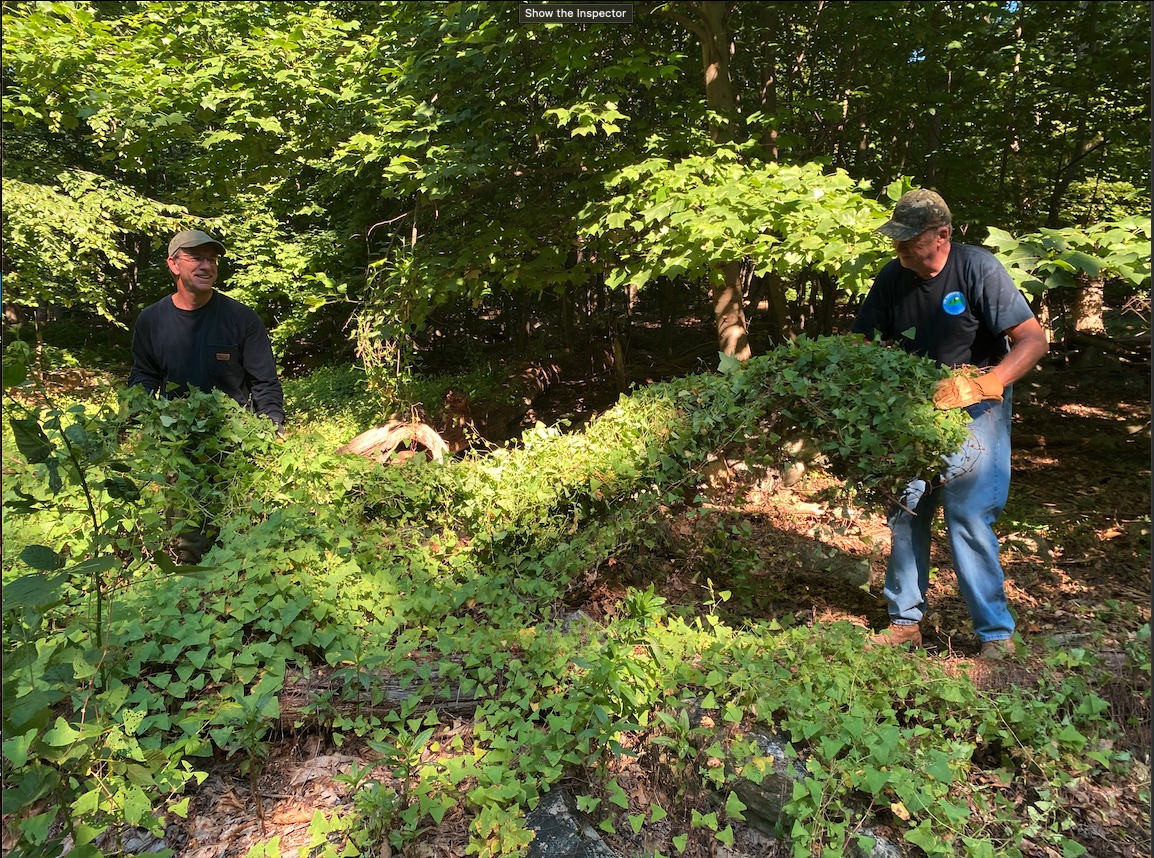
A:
<point x="122" y="668"/>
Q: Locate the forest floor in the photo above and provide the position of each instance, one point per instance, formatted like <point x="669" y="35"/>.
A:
<point x="1076" y="551"/>
<point x="1076" y="546"/>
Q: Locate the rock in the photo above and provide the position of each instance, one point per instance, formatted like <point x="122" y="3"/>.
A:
<point x="826" y="561"/>
<point x="855" y="572"/>
<point x="1138" y="430"/>
<point x="1035" y="392"/>
<point x="562" y="831"/>
<point x="882" y="848"/>
<point x="792" y="474"/>
<point x="1094" y="358"/>
<point x="133" y="841"/>
<point x="800" y="448"/>
<point x="717" y="472"/>
<point x="765" y="801"/>
<point x="1066" y="639"/>
<point x="577" y="620"/>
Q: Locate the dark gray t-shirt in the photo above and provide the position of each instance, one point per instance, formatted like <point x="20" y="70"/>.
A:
<point x="957" y="317"/>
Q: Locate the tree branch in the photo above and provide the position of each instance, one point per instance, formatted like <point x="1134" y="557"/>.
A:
<point x="688" y="23"/>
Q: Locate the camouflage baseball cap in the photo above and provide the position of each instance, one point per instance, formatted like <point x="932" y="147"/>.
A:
<point x="916" y="212"/>
<point x="193" y="238"/>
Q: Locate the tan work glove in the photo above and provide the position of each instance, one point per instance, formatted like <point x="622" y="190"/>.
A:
<point x="959" y="391"/>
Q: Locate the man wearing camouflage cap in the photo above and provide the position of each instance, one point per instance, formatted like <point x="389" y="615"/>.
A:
<point x="198" y="337"/>
<point x="956" y="304"/>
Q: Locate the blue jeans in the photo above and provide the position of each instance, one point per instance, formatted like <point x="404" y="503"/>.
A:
<point x="973" y="491"/>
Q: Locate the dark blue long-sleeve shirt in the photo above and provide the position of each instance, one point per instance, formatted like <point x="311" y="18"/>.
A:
<point x="221" y="345"/>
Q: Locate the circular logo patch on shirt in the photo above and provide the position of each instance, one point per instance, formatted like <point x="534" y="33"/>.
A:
<point x="954" y="304"/>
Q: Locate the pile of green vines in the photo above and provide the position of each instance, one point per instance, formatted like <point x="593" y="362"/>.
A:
<point x="865" y="408"/>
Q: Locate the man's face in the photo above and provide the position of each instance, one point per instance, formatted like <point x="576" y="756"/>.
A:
<point x="924" y="254"/>
<point x="195" y="268"/>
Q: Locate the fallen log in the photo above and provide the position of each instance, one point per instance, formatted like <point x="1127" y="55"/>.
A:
<point x="380" y="443"/>
<point x="1120" y="347"/>
<point x="316" y="697"/>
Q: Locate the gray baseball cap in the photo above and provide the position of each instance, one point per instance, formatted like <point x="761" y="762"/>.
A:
<point x="916" y="212"/>
<point x="192" y="238"/>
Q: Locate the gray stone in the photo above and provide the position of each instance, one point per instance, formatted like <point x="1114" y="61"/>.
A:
<point x="578" y="620"/>
<point x="1066" y="639"/>
<point x="801" y="448"/>
<point x="882" y="848"/>
<point x="1093" y="358"/>
<point x="717" y="472"/>
<point x="765" y="801"/>
<point x="830" y="561"/>
<point x="1102" y="444"/>
<point x="562" y="831"/>
<point x="792" y="474"/>
<point x="133" y="841"/>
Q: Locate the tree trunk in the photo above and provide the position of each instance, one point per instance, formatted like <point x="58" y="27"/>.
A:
<point x="716" y="45"/>
<point x="934" y="120"/>
<point x="728" y="296"/>
<point x="779" y="330"/>
<point x="1085" y="33"/>
<point x="1010" y="142"/>
<point x="769" y="26"/>
<point x="1045" y="317"/>
<point x="525" y="327"/>
<point x="1127" y="347"/>
<point x="712" y="30"/>
<point x="307" y="700"/>
<point x="729" y="313"/>
<point x="828" y="300"/>
<point x="665" y="287"/>
<point x="567" y="316"/>
<point x="1088" y="303"/>
<point x="1081" y="149"/>
<point x="620" y="367"/>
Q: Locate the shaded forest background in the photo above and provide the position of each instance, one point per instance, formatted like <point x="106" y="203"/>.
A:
<point x="402" y="182"/>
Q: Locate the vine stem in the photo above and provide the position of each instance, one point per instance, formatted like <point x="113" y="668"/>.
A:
<point x="96" y="540"/>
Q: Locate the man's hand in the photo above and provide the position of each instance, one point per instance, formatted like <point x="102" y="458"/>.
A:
<point x="959" y="391"/>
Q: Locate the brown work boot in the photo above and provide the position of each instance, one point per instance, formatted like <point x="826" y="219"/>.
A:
<point x="995" y="650"/>
<point x="897" y="635"/>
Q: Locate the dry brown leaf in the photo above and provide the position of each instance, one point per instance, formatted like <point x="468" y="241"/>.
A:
<point x="320" y="767"/>
<point x="291" y="814"/>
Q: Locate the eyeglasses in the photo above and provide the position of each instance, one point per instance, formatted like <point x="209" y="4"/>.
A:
<point x="198" y="259"/>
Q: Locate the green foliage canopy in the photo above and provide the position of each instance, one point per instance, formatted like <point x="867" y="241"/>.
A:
<point x="406" y="159"/>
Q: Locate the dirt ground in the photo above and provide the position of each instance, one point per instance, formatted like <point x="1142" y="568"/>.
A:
<point x="1076" y="553"/>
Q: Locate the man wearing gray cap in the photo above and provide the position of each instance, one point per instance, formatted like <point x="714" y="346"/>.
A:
<point x="198" y="337"/>
<point x="956" y="304"/>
